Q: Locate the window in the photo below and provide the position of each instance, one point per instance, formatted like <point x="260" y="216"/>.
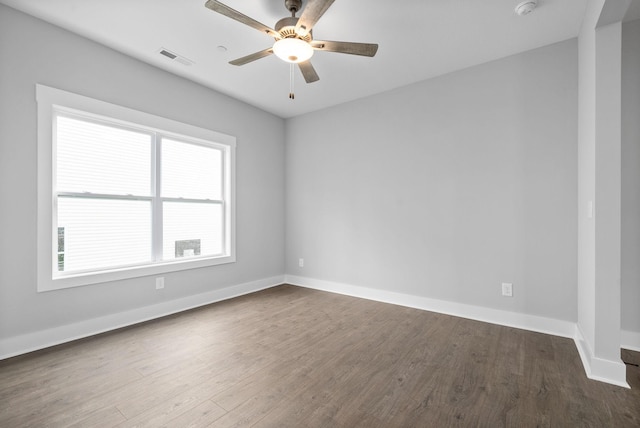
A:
<point x="123" y="193"/>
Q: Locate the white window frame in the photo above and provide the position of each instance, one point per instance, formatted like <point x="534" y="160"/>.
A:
<point x="50" y="101"/>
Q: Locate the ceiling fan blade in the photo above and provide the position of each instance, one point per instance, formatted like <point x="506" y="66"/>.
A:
<point x="312" y="12"/>
<point x="225" y="10"/>
<point x="364" y="49"/>
<point x="308" y="72"/>
<point x="249" y="58"/>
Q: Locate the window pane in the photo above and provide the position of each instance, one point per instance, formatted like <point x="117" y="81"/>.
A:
<point x="191" y="229"/>
<point x="102" y="159"/>
<point x="102" y="233"/>
<point x="191" y="171"/>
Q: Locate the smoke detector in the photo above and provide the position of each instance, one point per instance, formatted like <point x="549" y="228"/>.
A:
<point x="526" y="7"/>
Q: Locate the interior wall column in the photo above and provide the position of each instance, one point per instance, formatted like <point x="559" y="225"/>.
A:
<point x="599" y="190"/>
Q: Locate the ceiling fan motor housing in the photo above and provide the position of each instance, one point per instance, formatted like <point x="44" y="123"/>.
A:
<point x="287" y="29"/>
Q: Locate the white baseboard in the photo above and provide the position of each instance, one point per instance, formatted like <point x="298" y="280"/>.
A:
<point x="479" y="313"/>
<point x="613" y="372"/>
<point x="630" y="340"/>
<point x="22" y="344"/>
<point x="609" y="371"/>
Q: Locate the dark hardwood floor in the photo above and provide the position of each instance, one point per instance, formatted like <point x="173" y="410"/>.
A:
<point x="292" y="357"/>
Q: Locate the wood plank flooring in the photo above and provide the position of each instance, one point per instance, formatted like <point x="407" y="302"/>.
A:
<point x="292" y="357"/>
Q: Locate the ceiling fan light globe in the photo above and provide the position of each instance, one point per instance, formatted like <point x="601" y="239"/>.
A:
<point x="293" y="50"/>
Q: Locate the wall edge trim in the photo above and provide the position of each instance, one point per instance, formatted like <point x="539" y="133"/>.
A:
<point x="608" y="371"/>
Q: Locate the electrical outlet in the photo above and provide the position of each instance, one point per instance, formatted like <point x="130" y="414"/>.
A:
<point x="160" y="283"/>
<point x="507" y="289"/>
<point x="300" y="262"/>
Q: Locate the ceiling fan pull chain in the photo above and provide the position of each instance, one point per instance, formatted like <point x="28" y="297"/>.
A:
<point x="291" y="94"/>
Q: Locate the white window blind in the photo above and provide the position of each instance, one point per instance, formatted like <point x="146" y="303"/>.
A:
<point x="99" y="158"/>
<point x="132" y="194"/>
<point x="108" y="191"/>
<point x="187" y="171"/>
<point x="103" y="233"/>
<point x="97" y="165"/>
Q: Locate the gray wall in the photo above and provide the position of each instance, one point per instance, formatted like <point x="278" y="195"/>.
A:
<point x="631" y="176"/>
<point x="35" y="52"/>
<point x="442" y="189"/>
<point x="446" y="188"/>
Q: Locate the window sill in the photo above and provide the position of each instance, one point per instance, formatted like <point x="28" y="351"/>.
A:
<point x="47" y="283"/>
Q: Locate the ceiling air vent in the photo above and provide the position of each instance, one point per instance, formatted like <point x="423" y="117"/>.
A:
<point x="174" y="56"/>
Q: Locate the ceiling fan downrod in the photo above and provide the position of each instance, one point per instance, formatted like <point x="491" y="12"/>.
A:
<point x="293" y="6"/>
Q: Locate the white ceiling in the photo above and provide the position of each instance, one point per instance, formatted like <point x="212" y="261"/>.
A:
<point x="418" y="39"/>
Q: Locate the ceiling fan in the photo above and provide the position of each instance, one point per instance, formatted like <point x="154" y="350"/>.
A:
<point x="294" y="39"/>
